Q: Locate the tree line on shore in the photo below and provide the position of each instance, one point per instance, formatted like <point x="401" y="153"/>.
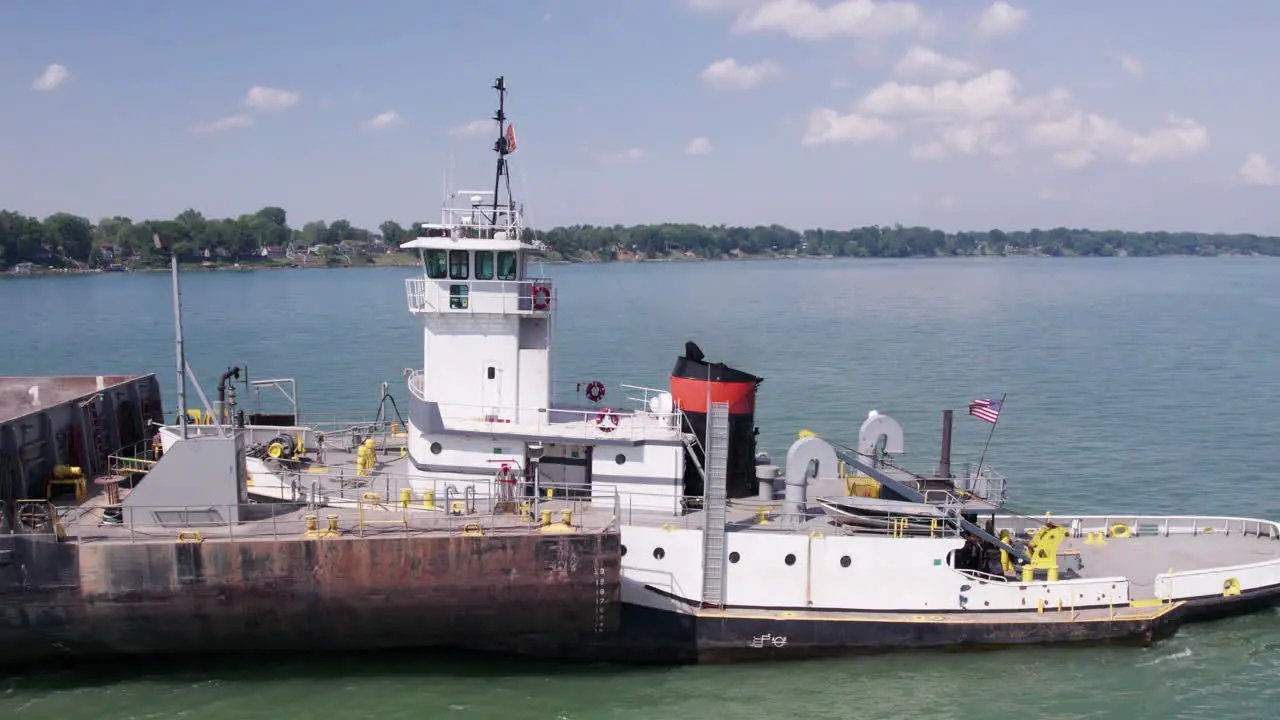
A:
<point x="64" y="240"/>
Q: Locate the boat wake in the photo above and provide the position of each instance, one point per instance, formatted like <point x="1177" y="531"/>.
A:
<point x="1184" y="653"/>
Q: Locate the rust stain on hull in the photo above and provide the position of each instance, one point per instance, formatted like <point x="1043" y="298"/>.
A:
<point x="337" y="593"/>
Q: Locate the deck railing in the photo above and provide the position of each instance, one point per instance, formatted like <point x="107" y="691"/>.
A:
<point x="531" y="296"/>
<point x="373" y="516"/>
<point x="1142" y="525"/>
<point x="602" y="423"/>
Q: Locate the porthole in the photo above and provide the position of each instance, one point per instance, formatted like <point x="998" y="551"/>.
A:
<point x="623" y="550"/>
<point x="659" y="553"/>
<point x="436" y="448"/>
<point x="790" y="559"/>
<point x="734" y="556"/>
<point x="846" y="561"/>
<point x="620" y="459"/>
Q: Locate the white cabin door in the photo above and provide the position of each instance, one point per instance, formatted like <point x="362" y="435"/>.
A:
<point x="491" y="384"/>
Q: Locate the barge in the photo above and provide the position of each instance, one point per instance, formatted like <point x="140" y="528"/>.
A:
<point x="498" y="516"/>
<point x="136" y="551"/>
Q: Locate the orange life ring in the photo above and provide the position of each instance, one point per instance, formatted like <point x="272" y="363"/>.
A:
<point x="543" y="292"/>
<point x="595" y="391"/>
<point x="611" y="416"/>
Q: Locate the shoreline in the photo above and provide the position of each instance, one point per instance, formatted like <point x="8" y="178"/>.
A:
<point x="406" y="260"/>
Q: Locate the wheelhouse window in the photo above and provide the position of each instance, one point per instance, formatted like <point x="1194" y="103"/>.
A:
<point x="437" y="264"/>
<point x="508" y="269"/>
<point x="458" y="264"/>
<point x="484" y="264"/>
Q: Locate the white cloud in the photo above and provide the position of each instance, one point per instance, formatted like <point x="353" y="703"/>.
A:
<point x="1079" y="138"/>
<point x="1132" y="66"/>
<point x="828" y="126"/>
<point x="988" y="115"/>
<point x="807" y="20"/>
<point x="383" y="121"/>
<point x="1257" y="171"/>
<point x="699" y="146"/>
<point x="230" y="122"/>
<point x="990" y="94"/>
<point x="974" y="138"/>
<point x="51" y="78"/>
<point x="265" y="98"/>
<point x="475" y="128"/>
<point x="630" y="154"/>
<point x="720" y="5"/>
<point x="729" y="74"/>
<point x="921" y="63"/>
<point x="1001" y="18"/>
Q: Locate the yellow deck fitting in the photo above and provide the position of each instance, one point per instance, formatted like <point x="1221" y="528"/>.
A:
<point x="190" y="536"/>
<point x="472" y="529"/>
<point x="406" y="497"/>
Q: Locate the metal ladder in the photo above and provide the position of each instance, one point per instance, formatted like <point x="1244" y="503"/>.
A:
<point x="690" y="440"/>
<point x="715" y="504"/>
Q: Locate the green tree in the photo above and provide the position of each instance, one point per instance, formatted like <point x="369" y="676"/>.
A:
<point x="392" y="233"/>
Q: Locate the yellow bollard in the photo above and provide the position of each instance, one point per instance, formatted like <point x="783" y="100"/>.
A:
<point x="546" y="518"/>
<point x="311" y="523"/>
<point x="429" y="499"/>
<point x="406" y="497"/>
<point x="763" y="517"/>
<point x="1028" y="573"/>
<point x="1051" y="574"/>
<point x="566" y="517"/>
<point x="333" y="524"/>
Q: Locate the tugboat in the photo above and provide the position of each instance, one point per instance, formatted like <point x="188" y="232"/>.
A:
<point x="724" y="554"/>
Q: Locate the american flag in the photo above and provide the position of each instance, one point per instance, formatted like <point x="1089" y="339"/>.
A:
<point x="987" y="409"/>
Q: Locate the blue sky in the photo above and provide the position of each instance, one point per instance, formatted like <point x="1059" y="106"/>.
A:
<point x="811" y="113"/>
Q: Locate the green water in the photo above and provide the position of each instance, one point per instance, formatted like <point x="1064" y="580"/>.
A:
<point x="1133" y="385"/>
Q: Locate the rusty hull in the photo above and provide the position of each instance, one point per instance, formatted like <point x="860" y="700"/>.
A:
<point x="515" y="594"/>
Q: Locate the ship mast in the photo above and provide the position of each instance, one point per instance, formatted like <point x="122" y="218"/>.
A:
<point x="503" y="147"/>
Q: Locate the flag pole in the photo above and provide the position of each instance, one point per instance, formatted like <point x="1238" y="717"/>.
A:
<point x="983" y="457"/>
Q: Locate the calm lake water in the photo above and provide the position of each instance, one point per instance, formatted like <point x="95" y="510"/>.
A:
<point x="1134" y="385"/>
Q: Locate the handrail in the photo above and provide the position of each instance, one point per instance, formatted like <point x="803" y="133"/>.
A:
<point x="364" y="517"/>
<point x="524" y="296"/>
